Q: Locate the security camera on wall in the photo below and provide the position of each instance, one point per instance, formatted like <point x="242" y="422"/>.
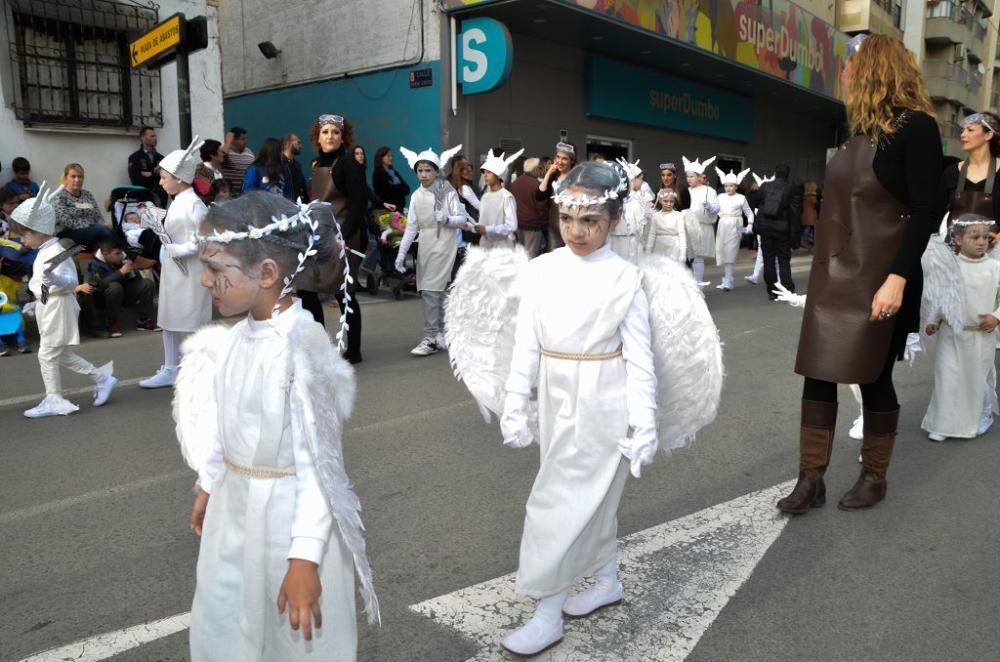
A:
<point x="268" y="50"/>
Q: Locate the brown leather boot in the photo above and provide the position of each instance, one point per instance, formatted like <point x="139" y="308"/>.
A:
<point x="876" y="450"/>
<point x="815" y="444"/>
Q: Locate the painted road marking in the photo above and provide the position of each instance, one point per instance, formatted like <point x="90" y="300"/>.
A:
<point x="35" y="398"/>
<point x="678" y="577"/>
<point x="112" y="643"/>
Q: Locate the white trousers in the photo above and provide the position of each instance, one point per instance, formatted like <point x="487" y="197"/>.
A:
<point x="758" y="266"/>
<point x="50" y="357"/>
<point x="433" y="313"/>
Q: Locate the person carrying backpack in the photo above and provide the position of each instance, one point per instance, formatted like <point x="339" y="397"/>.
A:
<point x="779" y="224"/>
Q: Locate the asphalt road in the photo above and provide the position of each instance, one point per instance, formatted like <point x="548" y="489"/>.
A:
<point x="94" y="507"/>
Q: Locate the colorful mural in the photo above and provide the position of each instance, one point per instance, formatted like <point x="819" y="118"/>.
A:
<point x="773" y="36"/>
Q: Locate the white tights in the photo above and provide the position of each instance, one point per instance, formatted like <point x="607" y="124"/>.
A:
<point x="172" y="348"/>
<point x="699" y="269"/>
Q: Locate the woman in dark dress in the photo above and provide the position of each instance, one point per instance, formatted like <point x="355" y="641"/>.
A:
<point x="970" y="185"/>
<point x="387" y="184"/>
<point x="880" y="206"/>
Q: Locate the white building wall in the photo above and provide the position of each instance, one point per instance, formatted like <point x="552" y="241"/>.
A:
<point x="104" y="152"/>
<point x="323" y="39"/>
<point x="913" y="26"/>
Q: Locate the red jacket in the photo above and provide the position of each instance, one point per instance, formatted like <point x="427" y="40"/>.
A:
<point x="531" y="214"/>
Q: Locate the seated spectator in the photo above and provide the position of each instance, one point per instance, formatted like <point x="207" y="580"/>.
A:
<point x="22" y="186"/>
<point x="269" y="171"/>
<point x="239" y="158"/>
<point x="143" y="165"/>
<point x="117" y="283"/>
<point x="17" y="257"/>
<point x="78" y="216"/>
<point x="11" y="321"/>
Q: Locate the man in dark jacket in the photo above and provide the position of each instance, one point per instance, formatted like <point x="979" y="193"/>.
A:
<point x="779" y="224"/>
<point x="116" y="282"/>
<point x="142" y="165"/>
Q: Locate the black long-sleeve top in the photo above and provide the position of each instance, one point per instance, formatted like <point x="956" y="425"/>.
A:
<point x="394" y="194"/>
<point x="349" y="179"/>
<point x="908" y="164"/>
<point x="949" y="184"/>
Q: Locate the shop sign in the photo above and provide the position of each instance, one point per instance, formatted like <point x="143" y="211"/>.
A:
<point x="624" y="92"/>
<point x="777" y="37"/>
<point x="485" y="55"/>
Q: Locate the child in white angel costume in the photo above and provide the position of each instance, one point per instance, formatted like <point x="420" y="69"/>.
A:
<point x="667" y="235"/>
<point x="436" y="215"/>
<point x="732" y="207"/>
<point x="628" y="236"/>
<point x="623" y="358"/>
<point x="54" y="282"/>
<point x="758" y="265"/>
<point x="962" y="307"/>
<point x="700" y="217"/>
<point x="497" y="208"/>
<point x="260" y="410"/>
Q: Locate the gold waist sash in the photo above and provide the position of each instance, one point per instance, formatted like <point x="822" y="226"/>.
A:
<point x="266" y="473"/>
<point x="606" y="356"/>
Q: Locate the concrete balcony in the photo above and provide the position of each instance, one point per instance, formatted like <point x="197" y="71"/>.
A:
<point x="947" y="80"/>
<point x="950" y="144"/>
<point x="949" y="23"/>
<point x="868" y="16"/>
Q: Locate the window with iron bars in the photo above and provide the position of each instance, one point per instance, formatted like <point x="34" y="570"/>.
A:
<point x="70" y="63"/>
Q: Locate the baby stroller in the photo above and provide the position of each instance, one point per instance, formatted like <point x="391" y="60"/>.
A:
<point x="392" y="226"/>
<point x="142" y="244"/>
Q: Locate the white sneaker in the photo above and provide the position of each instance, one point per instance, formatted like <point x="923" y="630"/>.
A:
<point x="704" y="283"/>
<point x="857" y="428"/>
<point x="533" y="637"/>
<point x="102" y="389"/>
<point x="934" y="436"/>
<point x="52" y="405"/>
<point x="597" y="596"/>
<point x="440" y="341"/>
<point x="426" y="347"/>
<point x="753" y="280"/>
<point x="164" y="377"/>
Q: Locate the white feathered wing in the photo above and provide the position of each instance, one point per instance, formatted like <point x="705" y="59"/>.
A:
<point x="196" y="415"/>
<point x="687" y="352"/>
<point x="944" y="292"/>
<point x="480" y="315"/>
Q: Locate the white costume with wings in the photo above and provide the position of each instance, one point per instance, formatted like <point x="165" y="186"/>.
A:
<point x="701" y="217"/>
<point x="667" y="235"/>
<point x="959" y="290"/>
<point x="623" y="359"/>
<point x="627" y="237"/>
<point x="260" y="410"/>
<point x="184" y="305"/>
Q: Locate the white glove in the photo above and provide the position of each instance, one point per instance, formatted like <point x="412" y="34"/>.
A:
<point x="514" y="422"/>
<point x="791" y="298"/>
<point x="748" y="229"/>
<point x="640" y="449"/>
<point x="441" y="216"/>
<point x="385" y="236"/>
<point x="400" y="266"/>
<point x="913" y="348"/>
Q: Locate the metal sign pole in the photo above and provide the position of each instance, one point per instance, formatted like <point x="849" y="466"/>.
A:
<point x="183" y="98"/>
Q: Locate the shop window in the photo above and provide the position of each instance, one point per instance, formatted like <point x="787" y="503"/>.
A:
<point x="70" y="64"/>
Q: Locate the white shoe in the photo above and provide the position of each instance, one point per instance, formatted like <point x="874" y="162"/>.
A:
<point x="934" y="436"/>
<point x="440" y="341"/>
<point x="102" y="390"/>
<point x="597" y="596"/>
<point x="753" y="280"/>
<point x="705" y="283"/>
<point x="52" y="405"/>
<point x="426" y="347"/>
<point x="533" y="637"/>
<point x="857" y="428"/>
<point x="164" y="377"/>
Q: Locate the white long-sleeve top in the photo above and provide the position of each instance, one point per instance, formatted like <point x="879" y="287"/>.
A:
<point x="62" y="280"/>
<point x="667" y="234"/>
<point x="735" y="205"/>
<point x="704" y="204"/>
<point x="498" y="214"/>
<point x="249" y="386"/>
<point x="437" y="230"/>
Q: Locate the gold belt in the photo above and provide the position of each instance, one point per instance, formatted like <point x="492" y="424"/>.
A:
<point x="667" y="234"/>
<point x="606" y="356"/>
<point x="267" y="473"/>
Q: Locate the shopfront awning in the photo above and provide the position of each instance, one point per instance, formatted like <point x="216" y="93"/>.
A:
<point x="744" y="49"/>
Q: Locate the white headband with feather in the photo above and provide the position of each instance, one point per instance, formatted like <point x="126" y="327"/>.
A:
<point x="696" y="166"/>
<point x="731" y="177"/>
<point x="438" y="161"/>
<point x="498" y="164"/>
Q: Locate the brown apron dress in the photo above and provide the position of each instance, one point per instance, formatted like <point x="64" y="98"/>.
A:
<point x="860" y="229"/>
<point x="973" y="202"/>
<point x="325" y="189"/>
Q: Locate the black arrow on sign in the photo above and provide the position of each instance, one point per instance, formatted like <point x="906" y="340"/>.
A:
<point x="135" y="54"/>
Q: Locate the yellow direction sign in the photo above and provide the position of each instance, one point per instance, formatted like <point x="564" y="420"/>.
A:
<point x="159" y="44"/>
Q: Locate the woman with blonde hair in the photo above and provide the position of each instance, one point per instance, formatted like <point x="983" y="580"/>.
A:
<point x="78" y="216"/>
<point x="880" y="206"/>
